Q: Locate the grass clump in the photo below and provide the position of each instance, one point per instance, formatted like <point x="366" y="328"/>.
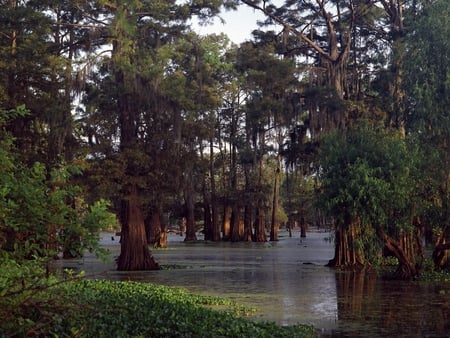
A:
<point x="101" y="308"/>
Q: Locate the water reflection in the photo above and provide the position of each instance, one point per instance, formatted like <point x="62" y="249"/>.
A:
<point x="370" y="307"/>
<point x="288" y="283"/>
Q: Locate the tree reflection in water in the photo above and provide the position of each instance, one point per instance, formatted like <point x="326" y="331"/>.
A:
<point x="370" y="306"/>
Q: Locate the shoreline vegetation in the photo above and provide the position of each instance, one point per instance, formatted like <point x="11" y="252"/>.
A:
<point x="77" y="307"/>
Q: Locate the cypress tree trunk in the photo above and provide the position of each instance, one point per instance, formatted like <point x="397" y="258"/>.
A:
<point x="235" y="222"/>
<point x="135" y="253"/>
<point x="190" y="217"/>
<point x="207" y="218"/>
<point x="440" y="255"/>
<point x="226" y="222"/>
<point x="275" y="225"/>
<point x="260" y="226"/>
<point x="248" y="223"/>
<point x="302" y="227"/>
<point x="347" y="255"/>
<point x="156" y="229"/>
<point x="406" y="268"/>
<point x="215" y="228"/>
<point x="276" y="192"/>
<point x="134" y="250"/>
<point x="207" y="213"/>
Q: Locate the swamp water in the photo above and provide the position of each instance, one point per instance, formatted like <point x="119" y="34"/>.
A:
<point x="287" y="282"/>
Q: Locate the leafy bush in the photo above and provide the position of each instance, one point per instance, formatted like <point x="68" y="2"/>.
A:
<point x="41" y="211"/>
<point x="31" y="302"/>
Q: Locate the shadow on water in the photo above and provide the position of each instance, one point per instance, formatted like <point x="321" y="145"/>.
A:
<point x="287" y="282"/>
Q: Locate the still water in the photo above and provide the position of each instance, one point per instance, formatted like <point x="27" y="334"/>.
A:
<point x="287" y="282"/>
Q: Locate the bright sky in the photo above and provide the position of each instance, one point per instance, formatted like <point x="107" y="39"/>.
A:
<point x="238" y="24"/>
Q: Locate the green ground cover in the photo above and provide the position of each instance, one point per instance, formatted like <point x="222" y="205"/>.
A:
<point x="101" y="308"/>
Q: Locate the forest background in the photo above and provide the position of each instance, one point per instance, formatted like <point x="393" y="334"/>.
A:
<point x="117" y="112"/>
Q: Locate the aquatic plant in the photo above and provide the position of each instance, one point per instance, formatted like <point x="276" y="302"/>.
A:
<point x="101" y="308"/>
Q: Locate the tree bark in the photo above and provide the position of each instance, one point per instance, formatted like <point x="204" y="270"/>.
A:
<point x="235" y="222"/>
<point x="248" y="222"/>
<point x="406" y="268"/>
<point x="302" y="227"/>
<point x="156" y="229"/>
<point x="260" y="228"/>
<point x="215" y="227"/>
<point x="190" y="217"/>
<point x="207" y="198"/>
<point x="207" y="217"/>
<point x="275" y="225"/>
<point x="134" y="251"/>
<point x="347" y="255"/>
<point x="440" y="255"/>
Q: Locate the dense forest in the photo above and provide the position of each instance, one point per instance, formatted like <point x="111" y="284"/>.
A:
<point x="118" y="114"/>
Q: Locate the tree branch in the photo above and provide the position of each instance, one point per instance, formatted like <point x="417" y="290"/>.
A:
<point x="289" y="28"/>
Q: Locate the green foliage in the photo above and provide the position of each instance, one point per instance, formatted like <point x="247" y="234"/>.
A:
<point x="37" y="212"/>
<point x="83" y="232"/>
<point x="31" y="304"/>
<point x="367" y="174"/>
<point x="41" y="211"/>
<point x="430" y="274"/>
<point x="130" y="309"/>
<point x="298" y="196"/>
<point x="427" y="68"/>
<point x="127" y="309"/>
<point x="427" y="84"/>
<point x="368" y="180"/>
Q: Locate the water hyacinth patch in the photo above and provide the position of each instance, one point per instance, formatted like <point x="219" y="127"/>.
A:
<point x="124" y="309"/>
<point x="101" y="308"/>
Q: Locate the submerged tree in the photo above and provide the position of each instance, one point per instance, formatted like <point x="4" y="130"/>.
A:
<point x="368" y="186"/>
